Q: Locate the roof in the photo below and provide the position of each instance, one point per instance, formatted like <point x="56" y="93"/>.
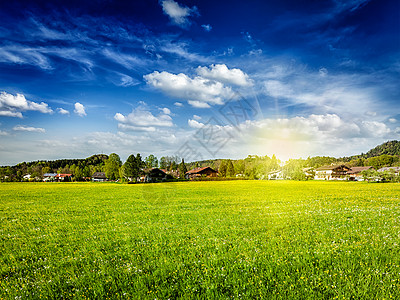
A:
<point x="331" y="167"/>
<point x="63" y="175"/>
<point x="359" y="169"/>
<point x="154" y="171"/>
<point x="50" y="174"/>
<point x="100" y="175"/>
<point x="200" y="170"/>
<point x="396" y="169"/>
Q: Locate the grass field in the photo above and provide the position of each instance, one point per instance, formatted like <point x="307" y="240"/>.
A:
<point x="242" y="239"/>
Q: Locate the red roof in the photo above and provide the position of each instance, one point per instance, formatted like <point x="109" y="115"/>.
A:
<point x="63" y="175"/>
<point x="199" y="170"/>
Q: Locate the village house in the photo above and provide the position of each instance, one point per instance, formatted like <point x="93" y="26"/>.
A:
<point x="354" y="173"/>
<point x="201" y="172"/>
<point x="49" y="177"/>
<point x="332" y="172"/>
<point x="395" y="170"/>
<point x="275" y="175"/>
<point x="153" y="175"/>
<point x="63" y="177"/>
<point x="309" y="172"/>
<point x="99" y="177"/>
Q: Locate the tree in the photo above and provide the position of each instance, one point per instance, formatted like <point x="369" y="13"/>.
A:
<point x="151" y="161"/>
<point x="130" y="171"/>
<point x="112" y="166"/>
<point x="133" y="166"/>
<point x="230" y="170"/>
<point x="78" y="174"/>
<point x="222" y="168"/>
<point x="182" y="169"/>
<point x="163" y="163"/>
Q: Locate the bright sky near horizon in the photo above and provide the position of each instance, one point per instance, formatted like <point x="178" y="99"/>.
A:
<point x="198" y="79"/>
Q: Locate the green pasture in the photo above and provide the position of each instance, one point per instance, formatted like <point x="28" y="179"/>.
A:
<point x="200" y="240"/>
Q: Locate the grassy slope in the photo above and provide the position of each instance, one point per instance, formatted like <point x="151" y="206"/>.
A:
<point x="200" y="240"/>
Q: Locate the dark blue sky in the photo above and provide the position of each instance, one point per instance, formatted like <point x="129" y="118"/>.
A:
<point x="79" y="78"/>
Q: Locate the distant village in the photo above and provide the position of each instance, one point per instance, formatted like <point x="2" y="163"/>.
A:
<point x="381" y="164"/>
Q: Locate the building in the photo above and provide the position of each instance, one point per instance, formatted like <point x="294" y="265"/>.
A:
<point x="332" y="172"/>
<point x="355" y="173"/>
<point x="99" y="176"/>
<point x="395" y="170"/>
<point x="49" y="177"/>
<point x="201" y="172"/>
<point x="63" y="177"/>
<point x="275" y="175"/>
<point x="309" y="172"/>
<point x="153" y="175"/>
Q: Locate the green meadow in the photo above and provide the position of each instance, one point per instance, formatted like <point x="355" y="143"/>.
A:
<point x="200" y="240"/>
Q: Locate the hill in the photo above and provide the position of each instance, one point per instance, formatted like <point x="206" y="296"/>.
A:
<point x="389" y="148"/>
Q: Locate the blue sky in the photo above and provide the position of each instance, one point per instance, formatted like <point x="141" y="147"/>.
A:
<point x="197" y="79"/>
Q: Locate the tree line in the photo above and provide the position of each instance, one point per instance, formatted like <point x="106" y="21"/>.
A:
<point x="251" y="167"/>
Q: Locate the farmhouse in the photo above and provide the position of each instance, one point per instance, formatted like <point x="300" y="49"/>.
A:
<point x="153" y="175"/>
<point x="63" y="177"/>
<point x="99" y="176"/>
<point x="333" y="172"/>
<point x="49" y="177"/>
<point x="275" y="175"/>
<point x="355" y="173"/>
<point x="201" y="172"/>
<point x="395" y="170"/>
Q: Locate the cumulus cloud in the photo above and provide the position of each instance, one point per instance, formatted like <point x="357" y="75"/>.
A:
<point x="13" y="106"/>
<point x="141" y="119"/>
<point x="28" y="129"/>
<point x="62" y="111"/>
<point x="178" y="104"/>
<point x="195" y="124"/>
<point x="80" y="109"/>
<point x="198" y="91"/>
<point x="178" y="14"/>
<point x="166" y="110"/>
<point x="221" y="73"/>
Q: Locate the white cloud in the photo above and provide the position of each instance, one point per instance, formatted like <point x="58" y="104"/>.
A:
<point x="178" y="104"/>
<point x="221" y="73"/>
<point x="334" y="94"/>
<point x="141" y="119"/>
<point x="392" y="120"/>
<point x="178" y="14"/>
<point x="126" y="60"/>
<point x="62" y="111"/>
<point x="198" y="104"/>
<point x="12" y="106"/>
<point x="198" y="91"/>
<point x="207" y="27"/>
<point x="196" y="117"/>
<point x="166" y="110"/>
<point x="195" y="124"/>
<point x="3" y="133"/>
<point x="24" y="55"/>
<point x="10" y="114"/>
<point x="180" y="49"/>
<point x="80" y="109"/>
<point x="28" y="129"/>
